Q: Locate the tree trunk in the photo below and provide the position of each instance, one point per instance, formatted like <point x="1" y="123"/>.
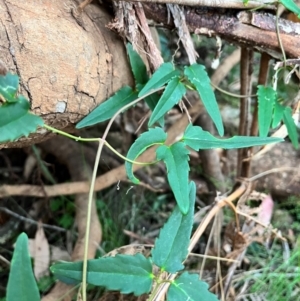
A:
<point x="66" y="69"/>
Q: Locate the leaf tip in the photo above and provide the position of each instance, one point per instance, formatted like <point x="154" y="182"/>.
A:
<point x="136" y="181"/>
<point x="184" y="208"/>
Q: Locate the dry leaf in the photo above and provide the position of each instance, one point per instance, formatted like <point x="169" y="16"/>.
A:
<point x="58" y="254"/>
<point x="30" y="164"/>
<point x="40" y="252"/>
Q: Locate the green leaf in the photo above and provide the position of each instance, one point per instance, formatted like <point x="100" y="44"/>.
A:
<point x="12" y="111"/>
<point x="189" y="287"/>
<point x="291" y="6"/>
<point x="9" y="86"/>
<point x="278" y="114"/>
<point x="196" y="138"/>
<point x="152" y="101"/>
<point x="21" y="281"/>
<point x="108" y="108"/>
<point x="171" y="248"/>
<point x="171" y="96"/>
<point x="176" y="159"/>
<point x="160" y="77"/>
<point x="197" y="75"/>
<point x="125" y="273"/>
<point x="147" y="139"/>
<point x="16" y="121"/>
<point x="266" y="100"/>
<point x="138" y="67"/>
<point x="291" y="126"/>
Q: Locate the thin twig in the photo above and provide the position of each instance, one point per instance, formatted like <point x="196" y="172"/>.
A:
<point x="4" y="260"/>
<point x="270" y="171"/>
<point x="31" y="221"/>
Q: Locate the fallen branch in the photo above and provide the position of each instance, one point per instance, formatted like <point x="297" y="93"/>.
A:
<point x="214" y="3"/>
<point x="255" y="30"/>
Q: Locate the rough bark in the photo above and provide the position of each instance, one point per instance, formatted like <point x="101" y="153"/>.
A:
<point x="256" y="30"/>
<point x="65" y="69"/>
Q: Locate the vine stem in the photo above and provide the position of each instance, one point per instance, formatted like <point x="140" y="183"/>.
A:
<point x="54" y="130"/>
<point x="231" y="94"/>
<point x="91" y="192"/>
<point x="278" y="35"/>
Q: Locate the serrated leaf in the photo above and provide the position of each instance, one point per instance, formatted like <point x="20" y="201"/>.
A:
<point x="266" y="100"/>
<point x="196" y="138"/>
<point x="278" y="114"/>
<point x="291" y="6"/>
<point x="171" y="247"/>
<point x="197" y="75"/>
<point x="108" y="108"/>
<point x="11" y="111"/>
<point x="171" y="96"/>
<point x="291" y="126"/>
<point x="125" y="273"/>
<point x="176" y="159"/>
<point x="21" y="282"/>
<point x="138" y="67"/>
<point x="9" y="86"/>
<point x="16" y="121"/>
<point x="146" y="140"/>
<point x="160" y="77"/>
<point x="189" y="287"/>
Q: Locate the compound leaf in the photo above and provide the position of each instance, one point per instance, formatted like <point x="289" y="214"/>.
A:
<point x="171" y="96"/>
<point x="189" y="287"/>
<point x="137" y="66"/>
<point x="197" y="75"/>
<point x="21" y="281"/>
<point x="16" y="121"/>
<point x="291" y="126"/>
<point x="125" y="273"/>
<point x="108" y="108"/>
<point x="196" y="138"/>
<point x="291" y="6"/>
<point x="171" y="248"/>
<point x="266" y="100"/>
<point x="160" y="77"/>
<point x="147" y="139"/>
<point x="9" y="86"/>
<point x="176" y="159"/>
<point x="278" y="114"/>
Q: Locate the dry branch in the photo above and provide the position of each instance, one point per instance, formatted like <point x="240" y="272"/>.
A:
<point x="255" y="30"/>
<point x="214" y="3"/>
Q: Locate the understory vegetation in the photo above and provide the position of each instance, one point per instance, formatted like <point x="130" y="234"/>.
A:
<point x="176" y="188"/>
